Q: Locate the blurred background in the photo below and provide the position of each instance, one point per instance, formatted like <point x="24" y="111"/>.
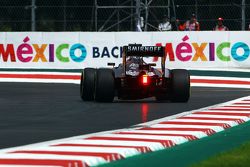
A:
<point x="118" y="15"/>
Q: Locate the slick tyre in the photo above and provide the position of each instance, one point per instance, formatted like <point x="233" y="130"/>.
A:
<point x="87" y="85"/>
<point x="162" y="96"/>
<point x="105" y="85"/>
<point x="180" y="85"/>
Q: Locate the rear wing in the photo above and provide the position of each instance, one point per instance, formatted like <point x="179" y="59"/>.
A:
<point x="144" y="51"/>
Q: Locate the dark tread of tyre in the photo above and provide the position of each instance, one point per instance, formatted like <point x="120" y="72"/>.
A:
<point x="180" y="85"/>
<point x="105" y="85"/>
<point x="87" y="86"/>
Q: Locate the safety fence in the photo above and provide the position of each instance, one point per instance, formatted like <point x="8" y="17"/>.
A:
<point x="117" y="15"/>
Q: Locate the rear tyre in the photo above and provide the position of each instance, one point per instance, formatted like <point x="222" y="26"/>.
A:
<point x="105" y="85"/>
<point x="87" y="85"/>
<point x="162" y="96"/>
<point x="180" y="85"/>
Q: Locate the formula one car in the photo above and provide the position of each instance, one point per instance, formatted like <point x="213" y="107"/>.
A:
<point x="136" y="79"/>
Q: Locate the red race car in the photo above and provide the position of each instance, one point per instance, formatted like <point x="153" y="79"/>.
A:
<point x="135" y="79"/>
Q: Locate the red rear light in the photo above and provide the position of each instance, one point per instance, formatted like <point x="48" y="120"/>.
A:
<point x="145" y="80"/>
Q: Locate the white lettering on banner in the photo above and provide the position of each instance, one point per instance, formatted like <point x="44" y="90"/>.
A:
<point x="143" y="48"/>
<point x="56" y="50"/>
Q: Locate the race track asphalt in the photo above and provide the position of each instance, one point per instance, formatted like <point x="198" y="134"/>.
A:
<point x="36" y="112"/>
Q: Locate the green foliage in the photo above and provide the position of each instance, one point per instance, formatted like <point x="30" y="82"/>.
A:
<point x="5" y="28"/>
<point x="238" y="157"/>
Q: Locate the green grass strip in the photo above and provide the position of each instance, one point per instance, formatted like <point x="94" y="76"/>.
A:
<point x="191" y="152"/>
<point x="239" y="157"/>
